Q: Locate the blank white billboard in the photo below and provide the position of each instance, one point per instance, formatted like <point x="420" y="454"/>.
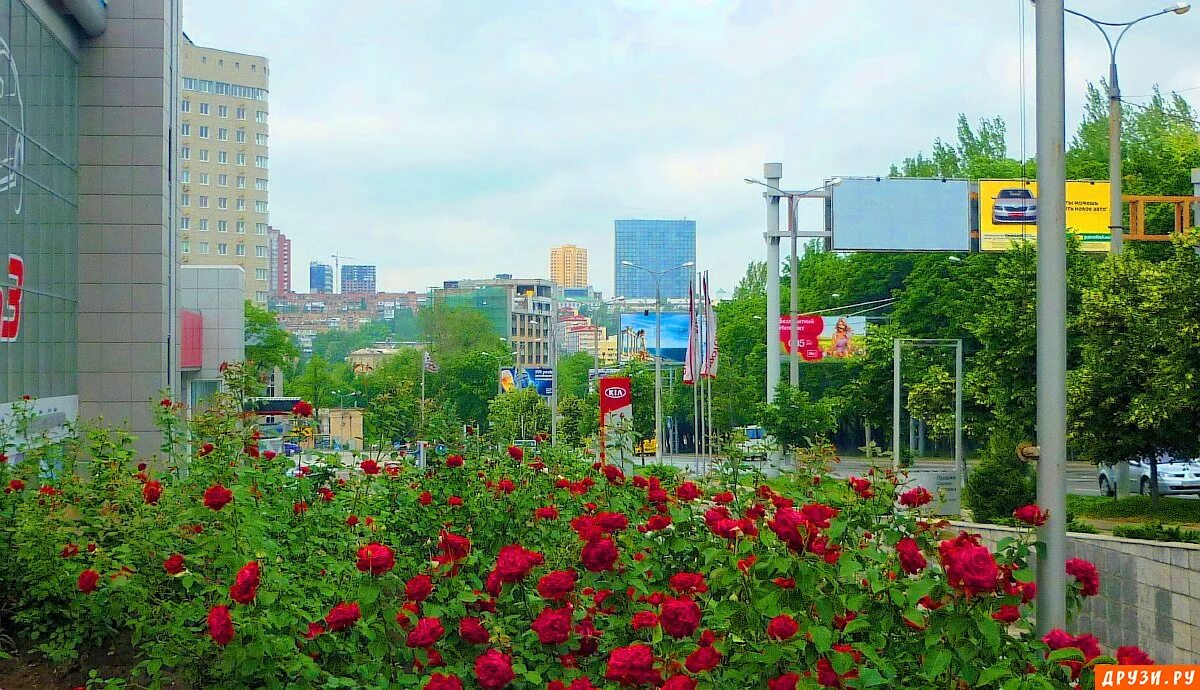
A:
<point x="884" y="214"/>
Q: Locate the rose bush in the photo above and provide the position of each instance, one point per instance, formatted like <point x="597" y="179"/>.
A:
<point x="545" y="572"/>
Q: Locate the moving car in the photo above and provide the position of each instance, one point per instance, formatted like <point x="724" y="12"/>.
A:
<point x="1014" y="205"/>
<point x="1176" y="476"/>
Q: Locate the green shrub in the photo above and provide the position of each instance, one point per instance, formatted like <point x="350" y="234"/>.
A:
<point x="1001" y="483"/>
<point x="1156" y="531"/>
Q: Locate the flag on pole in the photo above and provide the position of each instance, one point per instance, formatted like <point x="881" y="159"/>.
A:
<point x="430" y="365"/>
<point x="689" y="364"/>
<point x="710" y="332"/>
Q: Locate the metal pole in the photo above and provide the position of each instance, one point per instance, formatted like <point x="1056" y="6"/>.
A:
<point x="695" y="360"/>
<point x="658" y="367"/>
<point x="709" y="417"/>
<point x="896" y="404"/>
<point x="773" y="172"/>
<point x="1116" y="211"/>
<point x="553" y="370"/>
<point x="793" y="268"/>
<point x="960" y="458"/>
<point x="1051" y="314"/>
<point x="1196" y="192"/>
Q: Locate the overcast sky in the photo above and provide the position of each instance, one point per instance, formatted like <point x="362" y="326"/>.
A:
<point x="444" y="140"/>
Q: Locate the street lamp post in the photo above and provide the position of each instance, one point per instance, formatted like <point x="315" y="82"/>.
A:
<point x="658" y="276"/>
<point x="1116" y="212"/>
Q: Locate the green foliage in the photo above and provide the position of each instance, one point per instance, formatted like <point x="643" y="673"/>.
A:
<point x="318" y="382"/>
<point x="458" y="330"/>
<point x="267" y="344"/>
<point x="795" y="419"/>
<point x="1170" y="510"/>
<point x="335" y="346"/>
<point x="1001" y="482"/>
<point x="1156" y="531"/>
<point x="578" y="420"/>
<point x="573" y="372"/>
<point x="519" y="414"/>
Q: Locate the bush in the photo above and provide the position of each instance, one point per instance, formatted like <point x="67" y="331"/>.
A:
<point x="1001" y="483"/>
<point x="1156" y="531"/>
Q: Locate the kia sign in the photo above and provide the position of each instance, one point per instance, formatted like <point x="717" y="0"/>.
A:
<point x="616" y="406"/>
<point x="616" y="393"/>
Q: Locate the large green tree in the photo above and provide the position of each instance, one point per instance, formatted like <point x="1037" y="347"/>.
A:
<point x="519" y="414"/>
<point x="267" y="344"/>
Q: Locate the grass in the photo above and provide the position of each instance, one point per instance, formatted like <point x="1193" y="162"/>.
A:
<point x="1169" y="510"/>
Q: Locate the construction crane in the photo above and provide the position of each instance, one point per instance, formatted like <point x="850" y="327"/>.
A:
<point x="337" y="274"/>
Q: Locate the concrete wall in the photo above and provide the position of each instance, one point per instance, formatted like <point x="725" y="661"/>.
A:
<point x="218" y="293"/>
<point x="1149" y="592"/>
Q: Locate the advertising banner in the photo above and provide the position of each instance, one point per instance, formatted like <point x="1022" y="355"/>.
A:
<point x="540" y="379"/>
<point x="637" y="337"/>
<point x="1008" y="213"/>
<point x="824" y="338"/>
<point x="616" y="406"/>
<point x="885" y="214"/>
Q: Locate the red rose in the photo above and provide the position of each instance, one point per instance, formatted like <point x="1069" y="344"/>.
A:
<point x="1031" y="515"/>
<point x="245" y="583"/>
<point x="314" y="630"/>
<point x="342" y="616"/>
<point x="220" y="625"/>
<point x="299" y="508"/>
<point x="472" y="630"/>
<point x="454" y="501"/>
<point x="514" y="562"/>
<point x="205" y="449"/>
<point x="87" y="581"/>
<point x="375" y="558"/>
<point x="174" y="564"/>
<point x="632" y="665"/>
<point x="862" y="487"/>
<point x="546" y="513"/>
<point x="969" y="567"/>
<point x="370" y="466"/>
<point x="915" y="498"/>
<point x="453" y="547"/>
<point x="516" y="453"/>
<point x="325" y="493"/>
<point x="782" y="627"/>
<point x="454" y="461"/>
<point x="553" y="626"/>
<point x="785" y="582"/>
<point x="688" y="583"/>
<point x="426" y="633"/>
<point x="1130" y="655"/>
<point x="69" y="550"/>
<point x="705" y="658"/>
<point x="599" y="555"/>
<point x="656" y="523"/>
<point x="1087" y="644"/>
<point x="443" y="682"/>
<point x="687" y="491"/>
<point x="644" y="619"/>
<point x="217" y="497"/>
<point x="679" y="682"/>
<point x="302" y="409"/>
<point x="493" y="669"/>
<point x="14" y="485"/>
<point x="1007" y="614"/>
<point x="785" y="682"/>
<point x="724" y="498"/>
<point x="912" y="561"/>
<point x="151" y="492"/>
<point x="1086" y="575"/>
<point x="556" y="585"/>
<point x="418" y="588"/>
<point x="425" y="498"/>
<point x="577" y="684"/>
<point x="352" y="520"/>
<point x="679" y="617"/>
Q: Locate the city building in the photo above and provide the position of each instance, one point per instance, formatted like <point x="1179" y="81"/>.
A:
<point x="358" y="279"/>
<point x="223" y="162"/>
<point x="280" y="270"/>
<point x="93" y="322"/>
<point x="320" y="278"/>
<point x="656" y="245"/>
<point x="569" y="266"/>
<point x="521" y="311"/>
<point x="306" y="315"/>
<point x="212" y="302"/>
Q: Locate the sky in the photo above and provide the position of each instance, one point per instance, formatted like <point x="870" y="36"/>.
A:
<point x="443" y="140"/>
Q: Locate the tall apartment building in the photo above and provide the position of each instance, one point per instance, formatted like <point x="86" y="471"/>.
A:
<point x="569" y="266"/>
<point x="358" y="279"/>
<point x="656" y="245"/>
<point x="320" y="278"/>
<point x="280" y="270"/>
<point x="223" y="213"/>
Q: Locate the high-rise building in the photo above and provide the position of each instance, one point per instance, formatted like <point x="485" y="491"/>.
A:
<point x="656" y="245"/>
<point x="281" y="262"/>
<point x="358" y="279"/>
<point x="320" y="278"/>
<point x="569" y="266"/>
<point x="223" y="215"/>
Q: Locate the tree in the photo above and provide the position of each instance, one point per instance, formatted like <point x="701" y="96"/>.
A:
<point x="392" y="415"/>
<point x="335" y="346"/>
<point x="518" y="414"/>
<point x="455" y="330"/>
<point x="795" y="419"/>
<point x="577" y="419"/>
<point x="573" y="373"/>
<point x="318" y="381"/>
<point x="267" y="344"/>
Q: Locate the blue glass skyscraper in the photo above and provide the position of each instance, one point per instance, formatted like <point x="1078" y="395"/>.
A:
<point x="657" y="245"/>
<point x="320" y="278"/>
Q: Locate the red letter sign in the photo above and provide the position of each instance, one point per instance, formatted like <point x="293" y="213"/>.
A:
<point x="10" y="308"/>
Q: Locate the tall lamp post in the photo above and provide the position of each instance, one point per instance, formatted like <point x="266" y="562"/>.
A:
<point x="658" y="276"/>
<point x="1116" y="213"/>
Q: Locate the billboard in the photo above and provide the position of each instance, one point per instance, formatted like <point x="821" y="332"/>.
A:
<point x="616" y="406"/>
<point x="1008" y="213"/>
<point x="637" y="336"/>
<point x="825" y="338"/>
<point x="540" y="379"/>
<point x="882" y="214"/>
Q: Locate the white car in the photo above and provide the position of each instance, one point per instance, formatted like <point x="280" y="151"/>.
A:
<point x="758" y="443"/>
<point x="1176" y="476"/>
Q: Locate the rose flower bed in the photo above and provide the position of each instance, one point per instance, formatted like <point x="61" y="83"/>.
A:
<point x="507" y="571"/>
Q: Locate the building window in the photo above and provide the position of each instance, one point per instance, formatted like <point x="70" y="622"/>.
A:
<point x="241" y="159"/>
<point x="203" y="108"/>
<point x="222" y="111"/>
<point x="185" y="106"/>
<point x="260" y="251"/>
<point x="185" y="199"/>
<point x="260" y="296"/>
<point x="260" y="206"/>
<point x="239" y="250"/>
<point x="260" y="274"/>
<point x="222" y="179"/>
<point x="203" y="178"/>
<point x="204" y="155"/>
<point x="260" y="228"/>
<point x="241" y="113"/>
<point x="185" y="130"/>
<point x="241" y="227"/>
<point x="223" y="157"/>
<point x="221" y="88"/>
<point x="185" y="247"/>
<point x="203" y="131"/>
<point x="223" y="202"/>
<point x="222" y="134"/>
<point x="260" y="184"/>
<point x="260" y="161"/>
<point x="222" y="249"/>
<point x="240" y="135"/>
<point x="203" y="201"/>
<point x="203" y="223"/>
<point x="241" y="181"/>
<point x="260" y="116"/>
<point x="241" y="203"/>
<point x="185" y="176"/>
<point x="222" y="226"/>
<point x="185" y="153"/>
<point x="260" y="139"/>
<point x="184" y="222"/>
<point x="202" y="247"/>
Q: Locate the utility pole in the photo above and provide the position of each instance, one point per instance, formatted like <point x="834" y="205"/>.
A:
<point x="773" y="172"/>
<point x="1051" y="314"/>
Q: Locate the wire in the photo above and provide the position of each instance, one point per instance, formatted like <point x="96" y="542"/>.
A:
<point x="1152" y="95"/>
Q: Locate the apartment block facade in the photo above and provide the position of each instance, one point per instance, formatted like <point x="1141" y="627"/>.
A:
<point x="569" y="266"/>
<point x="358" y="279"/>
<point x="280" y="269"/>
<point x="320" y="278"/>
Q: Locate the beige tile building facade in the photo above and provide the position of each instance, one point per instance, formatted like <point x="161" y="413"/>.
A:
<point x="223" y="163"/>
<point x="569" y="266"/>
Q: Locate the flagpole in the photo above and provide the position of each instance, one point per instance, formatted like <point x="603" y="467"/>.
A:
<point x="424" y="366"/>
<point x="702" y="354"/>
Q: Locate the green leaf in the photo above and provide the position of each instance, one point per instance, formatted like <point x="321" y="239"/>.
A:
<point x="822" y="638"/>
<point x="1066" y="654"/>
<point x="869" y="678"/>
<point x="993" y="674"/>
<point x="936" y="662"/>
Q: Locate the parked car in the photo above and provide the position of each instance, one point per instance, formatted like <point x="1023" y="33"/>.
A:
<point x="1176" y="476"/>
<point x="1014" y="205"/>
<point x="757" y="444"/>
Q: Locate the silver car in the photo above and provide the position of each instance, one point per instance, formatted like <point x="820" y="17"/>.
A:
<point x="1176" y="476"/>
<point x="1014" y="205"/>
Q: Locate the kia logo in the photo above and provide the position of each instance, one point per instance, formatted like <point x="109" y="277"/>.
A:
<point x="615" y="392"/>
